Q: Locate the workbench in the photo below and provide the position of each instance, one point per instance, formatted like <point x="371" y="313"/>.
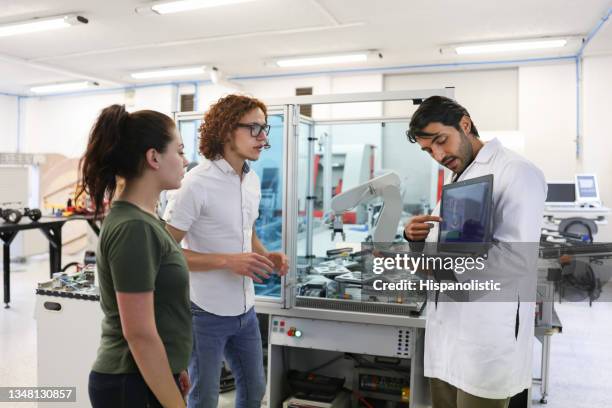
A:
<point x="51" y="227"/>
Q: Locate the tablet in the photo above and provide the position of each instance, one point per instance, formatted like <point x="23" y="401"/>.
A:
<point x="466" y="211"/>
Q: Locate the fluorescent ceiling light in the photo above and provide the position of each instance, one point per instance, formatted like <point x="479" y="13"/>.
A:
<point x="322" y="60"/>
<point x="509" y="46"/>
<point x="40" y="24"/>
<point x="169" y="7"/>
<point x="63" y="87"/>
<point x="169" y="72"/>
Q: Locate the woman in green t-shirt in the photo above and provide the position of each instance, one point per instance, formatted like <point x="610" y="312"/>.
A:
<point x="143" y="277"/>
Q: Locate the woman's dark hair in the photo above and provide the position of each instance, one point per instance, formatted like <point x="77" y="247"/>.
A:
<point x="437" y="109"/>
<point x="221" y="119"/>
<point x="117" y="145"/>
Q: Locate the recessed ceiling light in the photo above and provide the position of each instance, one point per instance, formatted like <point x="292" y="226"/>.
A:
<point x="169" y="72"/>
<point x="330" y="59"/>
<point x="40" y="24"/>
<point x="168" y="7"/>
<point x="63" y="87"/>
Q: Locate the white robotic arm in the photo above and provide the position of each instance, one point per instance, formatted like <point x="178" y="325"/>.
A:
<point x="386" y="186"/>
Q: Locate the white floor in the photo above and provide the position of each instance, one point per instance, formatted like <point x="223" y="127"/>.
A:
<point x="581" y="357"/>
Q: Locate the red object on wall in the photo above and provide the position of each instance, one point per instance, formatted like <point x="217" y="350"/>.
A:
<point x="349" y="217"/>
<point x="317" y="160"/>
<point x="338" y="188"/>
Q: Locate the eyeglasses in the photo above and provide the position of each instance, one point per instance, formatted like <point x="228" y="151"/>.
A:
<point x="256" y="128"/>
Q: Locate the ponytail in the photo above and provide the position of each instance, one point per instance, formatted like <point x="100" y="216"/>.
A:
<point x="117" y="146"/>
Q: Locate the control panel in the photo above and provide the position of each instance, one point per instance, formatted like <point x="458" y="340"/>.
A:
<point x="362" y="338"/>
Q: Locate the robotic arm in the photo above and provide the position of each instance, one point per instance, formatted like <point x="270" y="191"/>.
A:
<point x="386" y="186"/>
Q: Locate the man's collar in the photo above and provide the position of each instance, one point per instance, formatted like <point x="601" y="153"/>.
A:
<point x="228" y="169"/>
<point x="487" y="151"/>
<point x="484" y="155"/>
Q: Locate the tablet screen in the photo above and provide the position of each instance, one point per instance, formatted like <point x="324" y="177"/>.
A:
<point x="466" y="212"/>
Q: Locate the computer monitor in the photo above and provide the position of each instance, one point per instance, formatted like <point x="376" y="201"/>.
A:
<point x="466" y="209"/>
<point x="587" y="190"/>
<point x="561" y="193"/>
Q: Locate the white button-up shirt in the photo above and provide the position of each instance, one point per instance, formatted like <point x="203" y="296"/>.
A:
<point x="217" y="210"/>
<point x="473" y="345"/>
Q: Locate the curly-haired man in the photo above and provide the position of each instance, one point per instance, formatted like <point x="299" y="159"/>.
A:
<point x="213" y="214"/>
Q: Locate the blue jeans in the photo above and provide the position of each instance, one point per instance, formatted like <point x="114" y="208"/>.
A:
<point x="237" y="338"/>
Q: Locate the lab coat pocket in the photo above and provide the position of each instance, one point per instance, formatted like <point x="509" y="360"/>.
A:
<point x="489" y="324"/>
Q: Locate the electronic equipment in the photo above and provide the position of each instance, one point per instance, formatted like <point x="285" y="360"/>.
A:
<point x="315" y="387"/>
<point x="342" y="400"/>
<point x="466" y="211"/>
<point x="384" y="385"/>
<point x="561" y="194"/>
<point x="587" y="190"/>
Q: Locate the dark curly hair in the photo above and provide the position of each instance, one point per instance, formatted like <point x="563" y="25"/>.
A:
<point x="221" y="119"/>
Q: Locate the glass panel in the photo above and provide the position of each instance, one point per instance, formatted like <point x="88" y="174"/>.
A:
<point x="189" y="130"/>
<point x="416" y="169"/>
<point x="302" y="180"/>
<point x="269" y="168"/>
<point x="359" y="152"/>
<point x="268" y="226"/>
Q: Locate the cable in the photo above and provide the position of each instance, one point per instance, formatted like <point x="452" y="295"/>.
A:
<point x="359" y="397"/>
<point x="330" y="362"/>
<point x="363" y="362"/>
<point x="583" y="224"/>
<point x="587" y="281"/>
<point x="65" y="268"/>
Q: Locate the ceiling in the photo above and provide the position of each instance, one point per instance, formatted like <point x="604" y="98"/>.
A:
<point x="239" y="39"/>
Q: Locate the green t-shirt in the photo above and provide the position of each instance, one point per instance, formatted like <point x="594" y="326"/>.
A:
<point x="137" y="254"/>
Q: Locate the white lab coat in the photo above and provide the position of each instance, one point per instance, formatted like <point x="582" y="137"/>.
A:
<point x="473" y="345"/>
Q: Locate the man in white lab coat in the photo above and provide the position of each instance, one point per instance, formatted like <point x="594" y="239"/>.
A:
<point x="478" y="355"/>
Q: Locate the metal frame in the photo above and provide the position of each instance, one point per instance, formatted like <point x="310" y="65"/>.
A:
<point x="290" y="211"/>
<point x="386" y="96"/>
<point x="289" y="108"/>
<point x="265" y="301"/>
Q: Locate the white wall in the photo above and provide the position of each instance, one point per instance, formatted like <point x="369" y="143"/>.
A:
<point x="269" y="89"/>
<point x="597" y="134"/>
<point x="8" y="123"/>
<point x="61" y="124"/>
<point x="357" y="83"/>
<point x="547" y="118"/>
<point x="535" y="102"/>
<point x="277" y="88"/>
<point x="490" y="96"/>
